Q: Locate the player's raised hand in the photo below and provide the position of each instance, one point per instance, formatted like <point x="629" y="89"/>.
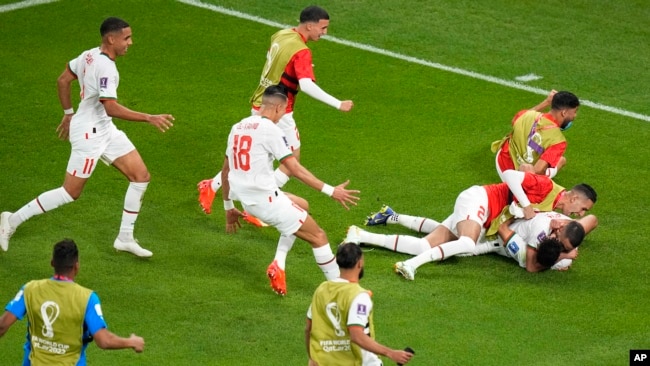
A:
<point x="162" y="121"/>
<point x="346" y="105"/>
<point x="63" y="130"/>
<point x="345" y="196"/>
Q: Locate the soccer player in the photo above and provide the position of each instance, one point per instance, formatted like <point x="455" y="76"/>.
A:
<point x="339" y="328"/>
<point x="522" y="234"/>
<point x="62" y="316"/>
<point x="94" y="137"/>
<point x="253" y="145"/>
<point x="477" y="207"/>
<point x="288" y="63"/>
<point x="536" y="142"/>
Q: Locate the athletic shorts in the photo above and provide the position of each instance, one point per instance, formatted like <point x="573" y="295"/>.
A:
<point x="278" y="211"/>
<point x="471" y="204"/>
<point x="288" y="125"/>
<point x="90" y="147"/>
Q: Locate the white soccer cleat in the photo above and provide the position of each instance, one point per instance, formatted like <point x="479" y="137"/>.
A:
<point x="353" y="235"/>
<point x="406" y="270"/>
<point x="132" y="247"/>
<point x="6" y="231"/>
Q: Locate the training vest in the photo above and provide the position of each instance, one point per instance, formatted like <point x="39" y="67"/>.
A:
<point x="56" y="311"/>
<point x="547" y="204"/>
<point x="284" y="44"/>
<point x="329" y="342"/>
<point x="531" y="135"/>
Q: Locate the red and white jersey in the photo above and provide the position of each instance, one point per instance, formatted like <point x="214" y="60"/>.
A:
<point x="253" y="144"/>
<point x="535" y="230"/>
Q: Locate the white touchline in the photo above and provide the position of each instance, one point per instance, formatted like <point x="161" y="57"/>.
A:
<point x="361" y="46"/>
<point x="23" y="4"/>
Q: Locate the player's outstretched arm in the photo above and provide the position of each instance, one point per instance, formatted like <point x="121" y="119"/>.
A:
<point x="108" y="340"/>
<point x="364" y="341"/>
<point x="309" y="87"/>
<point x="6" y="321"/>
<point x="163" y="122"/>
<point x="63" y="86"/>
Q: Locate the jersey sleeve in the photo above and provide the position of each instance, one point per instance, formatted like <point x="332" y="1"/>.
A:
<point x="17" y="305"/>
<point x="553" y="154"/>
<point x="360" y="310"/>
<point x="94" y="318"/>
<point x="108" y="79"/>
<point x="277" y="143"/>
<point x="302" y="65"/>
<point x="536" y="187"/>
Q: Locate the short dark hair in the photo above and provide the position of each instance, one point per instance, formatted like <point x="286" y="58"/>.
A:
<point x="564" y="100"/>
<point x="64" y="256"/>
<point x="275" y="91"/>
<point x="348" y="255"/>
<point x="313" y="14"/>
<point x="575" y="232"/>
<point x="548" y="251"/>
<point x="111" y="25"/>
<point x="586" y="190"/>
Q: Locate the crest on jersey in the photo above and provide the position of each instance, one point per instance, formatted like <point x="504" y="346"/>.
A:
<point x="103" y="82"/>
<point x="361" y="309"/>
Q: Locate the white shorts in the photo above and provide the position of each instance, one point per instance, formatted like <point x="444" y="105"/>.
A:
<point x="471" y="204"/>
<point x="278" y="211"/>
<point x="89" y="147"/>
<point x="288" y="125"/>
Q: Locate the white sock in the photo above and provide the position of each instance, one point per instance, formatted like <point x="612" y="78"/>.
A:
<point x="484" y="248"/>
<point x="47" y="201"/>
<point x="416" y="223"/>
<point x="464" y="244"/>
<point x="216" y="182"/>
<point x="132" y="204"/>
<point x="326" y="261"/>
<point x="285" y="243"/>
<point x="551" y="172"/>
<point x="280" y="178"/>
<point x="397" y="243"/>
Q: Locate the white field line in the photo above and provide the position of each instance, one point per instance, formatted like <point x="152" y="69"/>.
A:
<point x="472" y="74"/>
<point x="23" y="4"/>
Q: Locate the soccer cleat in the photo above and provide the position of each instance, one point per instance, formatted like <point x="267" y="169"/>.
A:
<point x="277" y="277"/>
<point x="353" y="235"/>
<point x="206" y="195"/>
<point x="132" y="247"/>
<point x="406" y="270"/>
<point x="6" y="231"/>
<point x="380" y="218"/>
<point x="254" y="220"/>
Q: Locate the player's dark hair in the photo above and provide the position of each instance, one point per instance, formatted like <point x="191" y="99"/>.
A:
<point x="586" y="190"/>
<point x="64" y="256"/>
<point x="313" y="14"/>
<point x="111" y="25"/>
<point x="575" y="232"/>
<point x="564" y="100"/>
<point x="548" y="252"/>
<point x="348" y="255"/>
<point x="275" y="91"/>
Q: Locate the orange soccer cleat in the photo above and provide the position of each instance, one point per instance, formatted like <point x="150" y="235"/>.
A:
<point x="206" y="195"/>
<point x="278" y="278"/>
<point x="254" y="220"/>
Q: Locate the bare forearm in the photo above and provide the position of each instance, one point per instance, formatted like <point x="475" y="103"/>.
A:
<point x="117" y="110"/>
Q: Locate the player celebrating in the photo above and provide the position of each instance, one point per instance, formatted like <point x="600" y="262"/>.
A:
<point x="253" y="145"/>
<point x="94" y="137"/>
<point x="288" y="63"/>
<point x="477" y="207"/>
<point x="536" y="142"/>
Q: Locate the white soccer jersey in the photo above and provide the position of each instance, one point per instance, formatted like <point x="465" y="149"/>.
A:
<point x="98" y="78"/>
<point x="532" y="232"/>
<point x="253" y="144"/>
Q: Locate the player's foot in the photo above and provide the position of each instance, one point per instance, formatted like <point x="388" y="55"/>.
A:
<point x="380" y="218"/>
<point x="254" y="220"/>
<point x="353" y="235"/>
<point x="206" y="195"/>
<point x="406" y="270"/>
<point x="277" y="277"/>
<point x="132" y="247"/>
<point x="6" y="231"/>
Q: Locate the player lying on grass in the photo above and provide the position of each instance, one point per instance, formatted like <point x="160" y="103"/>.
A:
<point x="518" y="239"/>
<point x="247" y="176"/>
